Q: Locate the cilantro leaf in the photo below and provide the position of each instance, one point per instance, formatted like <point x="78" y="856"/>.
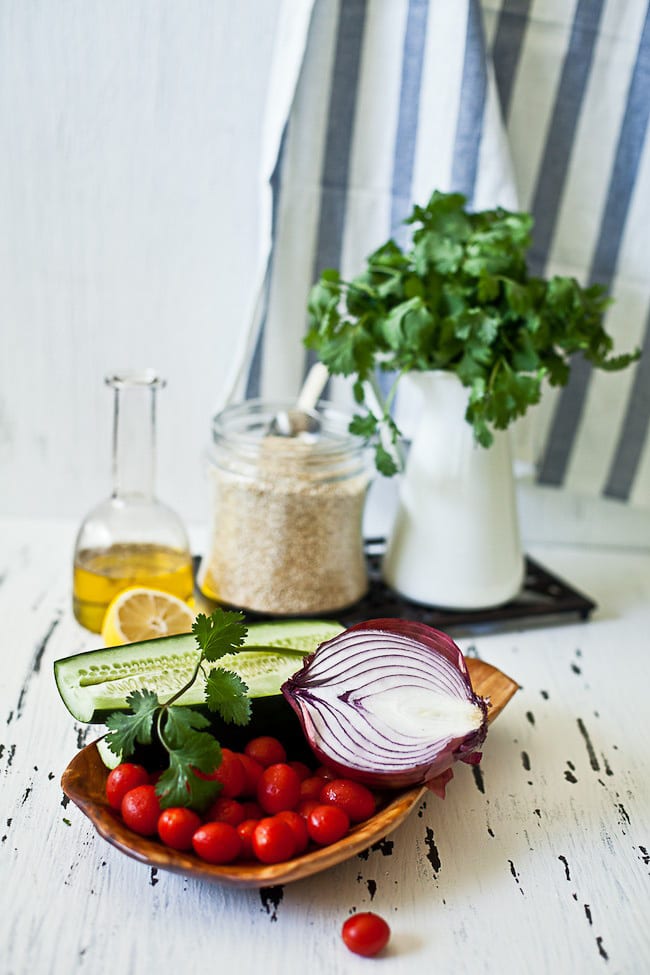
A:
<point x="385" y="463"/>
<point x="128" y="729"/>
<point x="227" y="694"/>
<point x="181" y="721"/>
<point x="363" y="426"/>
<point x="219" y="633"/>
<point x="460" y="297"/>
<point x="190" y="751"/>
<point x="193" y="751"/>
<point x="179" y="785"/>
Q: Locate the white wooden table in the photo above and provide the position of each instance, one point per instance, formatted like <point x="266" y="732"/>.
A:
<point x="538" y="862"/>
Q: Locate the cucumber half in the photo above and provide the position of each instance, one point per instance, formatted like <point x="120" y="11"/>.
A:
<point x="95" y="683"/>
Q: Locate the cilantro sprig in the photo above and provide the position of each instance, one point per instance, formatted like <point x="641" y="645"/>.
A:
<point x="183" y="731"/>
<point x="460" y="299"/>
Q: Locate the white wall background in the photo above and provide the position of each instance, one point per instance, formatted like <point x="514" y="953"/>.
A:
<point x="130" y="189"/>
<point x="130" y="137"/>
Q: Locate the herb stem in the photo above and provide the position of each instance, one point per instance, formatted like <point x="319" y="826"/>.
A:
<point x="382" y="413"/>
<point x="187" y="685"/>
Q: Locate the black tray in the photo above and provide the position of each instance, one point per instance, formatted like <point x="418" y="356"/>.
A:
<point x="544" y="599"/>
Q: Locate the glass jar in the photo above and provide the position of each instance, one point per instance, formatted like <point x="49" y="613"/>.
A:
<point x="287" y="513"/>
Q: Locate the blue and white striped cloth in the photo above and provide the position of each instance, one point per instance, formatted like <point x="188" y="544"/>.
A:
<point x="539" y="105"/>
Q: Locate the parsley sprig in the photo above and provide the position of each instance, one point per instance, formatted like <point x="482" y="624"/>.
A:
<point x="460" y="299"/>
<point x="182" y="731"/>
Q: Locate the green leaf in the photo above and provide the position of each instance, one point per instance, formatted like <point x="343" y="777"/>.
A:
<point x="358" y="391"/>
<point x="384" y="462"/>
<point x="418" y="325"/>
<point x="322" y="299"/>
<point x="363" y="426"/>
<point x="128" y="729"/>
<point x="220" y="633"/>
<point x="227" y="694"/>
<point x="189" y="751"/>
<point x="487" y="287"/>
<point x="518" y="297"/>
<point x="460" y="297"/>
<point x="469" y="370"/>
<point x="180" y="721"/>
<point x="348" y="351"/>
<point x="179" y="785"/>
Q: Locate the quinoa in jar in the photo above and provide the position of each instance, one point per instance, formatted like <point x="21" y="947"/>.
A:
<point x="286" y="534"/>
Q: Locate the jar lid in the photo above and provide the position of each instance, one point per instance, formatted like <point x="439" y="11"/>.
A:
<point x="244" y="441"/>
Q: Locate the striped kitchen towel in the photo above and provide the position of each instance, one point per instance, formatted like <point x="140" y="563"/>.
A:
<point x="540" y="105"/>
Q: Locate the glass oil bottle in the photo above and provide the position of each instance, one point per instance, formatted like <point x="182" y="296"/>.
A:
<point x="131" y="539"/>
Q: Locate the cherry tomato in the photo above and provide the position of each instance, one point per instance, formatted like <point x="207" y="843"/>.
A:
<point x="311" y="787"/>
<point x="303" y="771"/>
<point x="177" y="826"/>
<point x="278" y="788"/>
<point x="252" y="771"/>
<point x="266" y="750"/>
<point x="365" y="933"/>
<point x="355" y="799"/>
<point x="327" y="824"/>
<point x="326" y="773"/>
<point x="252" y="809"/>
<point x="224" y="810"/>
<point x="245" y="832"/>
<point x="217" y="843"/>
<point x="141" y="809"/>
<point x="273" y="840"/>
<point x="230" y="773"/>
<point x="305" y="806"/>
<point x="122" y="778"/>
<point x="299" y="827"/>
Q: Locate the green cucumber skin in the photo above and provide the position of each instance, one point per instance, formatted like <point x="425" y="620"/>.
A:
<point x="83" y="702"/>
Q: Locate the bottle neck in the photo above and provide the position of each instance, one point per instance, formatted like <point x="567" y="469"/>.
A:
<point x="134" y="434"/>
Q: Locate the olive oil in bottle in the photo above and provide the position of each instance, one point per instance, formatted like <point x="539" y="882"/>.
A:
<point x="131" y="538"/>
<point x="100" y="574"/>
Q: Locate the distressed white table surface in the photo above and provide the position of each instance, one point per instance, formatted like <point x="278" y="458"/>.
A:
<point x="538" y="862"/>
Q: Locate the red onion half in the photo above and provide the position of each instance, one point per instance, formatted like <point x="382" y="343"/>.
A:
<point x="389" y="703"/>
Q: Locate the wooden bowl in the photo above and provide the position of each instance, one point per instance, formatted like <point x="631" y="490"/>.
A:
<point x="84" y="782"/>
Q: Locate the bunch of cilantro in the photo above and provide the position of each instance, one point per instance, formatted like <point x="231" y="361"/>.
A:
<point x="183" y="731"/>
<point x="459" y="299"/>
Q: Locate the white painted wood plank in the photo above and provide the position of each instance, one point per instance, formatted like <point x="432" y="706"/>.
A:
<point x="537" y="862"/>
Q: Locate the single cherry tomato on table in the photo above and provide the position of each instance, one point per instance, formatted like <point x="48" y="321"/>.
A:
<point x="273" y="840"/>
<point x="352" y="797"/>
<point x="140" y="810"/>
<point x="177" y="826"/>
<point x="217" y="843"/>
<point x="278" y="788"/>
<point x="121" y="779"/>
<point x="327" y="824"/>
<point x="365" y="933"/>
<point x="266" y="750"/>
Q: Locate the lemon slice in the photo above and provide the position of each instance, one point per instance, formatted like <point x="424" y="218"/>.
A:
<point x="139" y="613"/>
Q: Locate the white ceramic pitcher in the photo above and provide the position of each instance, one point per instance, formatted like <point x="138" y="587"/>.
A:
<point x="455" y="540"/>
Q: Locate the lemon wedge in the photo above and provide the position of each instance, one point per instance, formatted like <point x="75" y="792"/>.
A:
<point x="139" y="613"/>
